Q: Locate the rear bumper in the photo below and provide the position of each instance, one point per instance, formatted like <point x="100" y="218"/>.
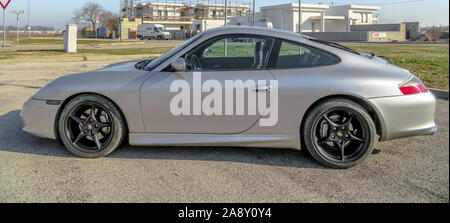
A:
<point x="38" y="118"/>
<point x="406" y="116"/>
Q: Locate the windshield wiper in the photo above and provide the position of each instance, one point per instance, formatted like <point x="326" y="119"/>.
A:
<point x="142" y="64"/>
<point x="337" y="45"/>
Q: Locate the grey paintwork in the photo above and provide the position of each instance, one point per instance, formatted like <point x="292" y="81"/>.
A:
<point x="144" y="97"/>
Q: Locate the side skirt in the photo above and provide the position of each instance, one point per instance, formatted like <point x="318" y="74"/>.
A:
<point x="240" y="140"/>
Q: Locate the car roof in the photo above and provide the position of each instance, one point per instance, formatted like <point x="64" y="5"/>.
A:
<point x="254" y="30"/>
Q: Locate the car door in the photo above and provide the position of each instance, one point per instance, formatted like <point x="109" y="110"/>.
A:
<point x="215" y="63"/>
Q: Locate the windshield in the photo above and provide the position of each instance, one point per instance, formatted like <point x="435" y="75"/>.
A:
<point x="167" y="55"/>
<point x="162" y="29"/>
<point x="333" y="44"/>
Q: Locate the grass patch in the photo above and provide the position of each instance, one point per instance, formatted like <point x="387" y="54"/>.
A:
<point x="128" y="51"/>
<point x="60" y="41"/>
<point x="429" y="62"/>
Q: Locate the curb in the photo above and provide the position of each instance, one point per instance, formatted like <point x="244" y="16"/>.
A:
<point x="439" y="93"/>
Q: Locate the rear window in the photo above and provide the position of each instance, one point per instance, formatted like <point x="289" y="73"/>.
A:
<point x="295" y="55"/>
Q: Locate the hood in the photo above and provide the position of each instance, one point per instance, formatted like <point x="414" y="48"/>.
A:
<point x="122" y="66"/>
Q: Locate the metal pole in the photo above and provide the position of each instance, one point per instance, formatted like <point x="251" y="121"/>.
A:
<point x="300" y="17"/>
<point x="120" y="22"/>
<point x="254" y="16"/>
<point x="17" y="38"/>
<point x="226" y="12"/>
<point x="29" y="28"/>
<point x="4" y="32"/>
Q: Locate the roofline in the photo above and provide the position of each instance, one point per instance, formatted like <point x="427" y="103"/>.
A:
<point x="295" y="5"/>
<point x="272" y="32"/>
<point x="364" y="7"/>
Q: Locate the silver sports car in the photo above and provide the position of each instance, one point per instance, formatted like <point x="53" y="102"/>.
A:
<point x="238" y="86"/>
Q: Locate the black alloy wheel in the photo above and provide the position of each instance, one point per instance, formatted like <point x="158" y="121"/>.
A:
<point x="339" y="133"/>
<point x="91" y="126"/>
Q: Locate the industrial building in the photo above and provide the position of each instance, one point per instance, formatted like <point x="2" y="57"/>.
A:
<point x="178" y="15"/>
<point x="336" y="22"/>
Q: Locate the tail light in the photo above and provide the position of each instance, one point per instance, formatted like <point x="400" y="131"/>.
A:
<point x="413" y="86"/>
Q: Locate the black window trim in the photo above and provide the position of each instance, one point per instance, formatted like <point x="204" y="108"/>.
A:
<point x="273" y="60"/>
<point x="234" y="35"/>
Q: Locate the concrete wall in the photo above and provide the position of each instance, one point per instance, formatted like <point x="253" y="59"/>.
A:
<point x="202" y="25"/>
<point x="335" y="25"/>
<point x="308" y="25"/>
<point x="376" y="27"/>
<point x="390" y="36"/>
<point x="339" y="36"/>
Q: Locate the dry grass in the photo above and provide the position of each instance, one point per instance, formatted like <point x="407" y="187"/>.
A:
<point x="429" y="62"/>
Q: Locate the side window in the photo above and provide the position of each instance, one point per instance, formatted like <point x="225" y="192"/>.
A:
<point x="231" y="53"/>
<point x="294" y="55"/>
<point x="155" y="29"/>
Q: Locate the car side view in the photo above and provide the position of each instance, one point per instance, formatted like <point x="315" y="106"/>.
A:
<point x="330" y="100"/>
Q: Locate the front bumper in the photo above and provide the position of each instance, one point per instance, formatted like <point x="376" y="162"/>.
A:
<point x="406" y="116"/>
<point x="38" y="118"/>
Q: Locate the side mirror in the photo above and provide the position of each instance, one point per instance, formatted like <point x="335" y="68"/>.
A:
<point x="179" y="65"/>
<point x="208" y="52"/>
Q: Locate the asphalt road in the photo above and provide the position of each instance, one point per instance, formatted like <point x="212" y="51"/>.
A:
<point x="38" y="170"/>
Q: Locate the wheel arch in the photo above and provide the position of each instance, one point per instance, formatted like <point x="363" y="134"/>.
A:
<point x="371" y="109"/>
<point x="68" y="99"/>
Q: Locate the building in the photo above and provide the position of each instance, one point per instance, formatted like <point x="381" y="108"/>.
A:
<point x="319" y="17"/>
<point x="340" y="18"/>
<point x="179" y="15"/>
<point x="285" y="16"/>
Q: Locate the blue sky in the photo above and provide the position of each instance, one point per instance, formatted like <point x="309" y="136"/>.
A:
<point x="57" y="13"/>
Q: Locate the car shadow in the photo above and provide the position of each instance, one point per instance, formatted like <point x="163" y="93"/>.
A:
<point x="13" y="139"/>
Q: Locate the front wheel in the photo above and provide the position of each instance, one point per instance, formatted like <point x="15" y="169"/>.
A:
<point x="339" y="133"/>
<point x="91" y="126"/>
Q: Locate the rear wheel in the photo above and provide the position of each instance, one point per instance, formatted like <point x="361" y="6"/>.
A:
<point x="339" y="133"/>
<point x="141" y="38"/>
<point x="91" y="126"/>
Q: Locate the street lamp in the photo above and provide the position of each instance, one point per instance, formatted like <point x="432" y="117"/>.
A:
<point x="300" y="16"/>
<point x="18" y="12"/>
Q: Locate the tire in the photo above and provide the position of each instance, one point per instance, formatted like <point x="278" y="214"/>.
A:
<point x="90" y="137"/>
<point x="141" y="38"/>
<point x="159" y="38"/>
<point x="335" y="125"/>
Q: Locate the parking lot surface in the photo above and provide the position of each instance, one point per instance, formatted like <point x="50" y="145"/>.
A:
<point x="38" y="170"/>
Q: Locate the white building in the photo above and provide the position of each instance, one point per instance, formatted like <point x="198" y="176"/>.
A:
<point x="319" y="17"/>
<point x="350" y="15"/>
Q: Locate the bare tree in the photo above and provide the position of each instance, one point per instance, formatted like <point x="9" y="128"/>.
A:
<point x="110" y="21"/>
<point x="87" y="14"/>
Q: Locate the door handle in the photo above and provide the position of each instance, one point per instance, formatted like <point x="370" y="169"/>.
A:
<point x="266" y="89"/>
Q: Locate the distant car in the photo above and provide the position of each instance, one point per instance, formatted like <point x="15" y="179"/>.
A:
<point x="152" y="31"/>
<point x="332" y="101"/>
